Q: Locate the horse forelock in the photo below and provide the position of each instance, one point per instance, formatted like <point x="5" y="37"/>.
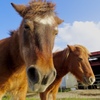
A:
<point x="38" y="7"/>
<point x="83" y="49"/>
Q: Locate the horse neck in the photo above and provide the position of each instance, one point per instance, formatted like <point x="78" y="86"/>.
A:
<point x="61" y="63"/>
<point x="10" y="60"/>
<point x="13" y="58"/>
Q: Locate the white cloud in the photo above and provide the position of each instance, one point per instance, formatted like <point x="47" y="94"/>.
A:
<point x="84" y="33"/>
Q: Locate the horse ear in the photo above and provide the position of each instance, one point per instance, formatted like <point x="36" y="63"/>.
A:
<point x="71" y="48"/>
<point x="58" y="20"/>
<point x="19" y="8"/>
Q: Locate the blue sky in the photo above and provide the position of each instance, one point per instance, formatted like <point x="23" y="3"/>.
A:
<point x="77" y="14"/>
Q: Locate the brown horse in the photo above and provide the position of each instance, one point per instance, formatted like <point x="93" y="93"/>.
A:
<point x="27" y="53"/>
<point x="73" y="59"/>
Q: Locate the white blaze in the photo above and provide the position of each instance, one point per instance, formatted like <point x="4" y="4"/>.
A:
<point x="56" y="28"/>
<point x="46" y="20"/>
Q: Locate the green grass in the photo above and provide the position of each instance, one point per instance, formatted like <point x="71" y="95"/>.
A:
<point x="32" y="99"/>
<point x="5" y="98"/>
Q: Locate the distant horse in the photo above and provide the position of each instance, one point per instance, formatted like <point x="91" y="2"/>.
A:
<point x="27" y="53"/>
<point x="73" y="59"/>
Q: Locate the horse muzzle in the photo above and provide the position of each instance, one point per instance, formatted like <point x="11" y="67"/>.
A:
<point x="38" y="82"/>
<point x="88" y="81"/>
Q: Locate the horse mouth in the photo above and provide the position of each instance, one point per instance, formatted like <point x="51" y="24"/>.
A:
<point x="40" y="86"/>
<point x="36" y="87"/>
<point x="37" y="81"/>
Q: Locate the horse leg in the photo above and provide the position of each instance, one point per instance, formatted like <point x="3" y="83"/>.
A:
<point x="55" y="90"/>
<point x="47" y="96"/>
<point x="50" y="96"/>
<point x="50" y="93"/>
<point x="44" y="95"/>
<point x="54" y="93"/>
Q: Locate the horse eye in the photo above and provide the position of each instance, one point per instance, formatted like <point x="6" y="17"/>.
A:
<point x="56" y="33"/>
<point x="89" y="58"/>
<point x="27" y="27"/>
<point x="80" y="59"/>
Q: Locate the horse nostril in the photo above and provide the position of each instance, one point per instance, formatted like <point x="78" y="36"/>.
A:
<point x="49" y="78"/>
<point x="33" y="74"/>
<point x="44" y="81"/>
<point x="55" y="73"/>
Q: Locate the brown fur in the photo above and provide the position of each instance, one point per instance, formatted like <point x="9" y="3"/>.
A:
<point x="12" y="73"/>
<point x="27" y="50"/>
<point x="73" y="59"/>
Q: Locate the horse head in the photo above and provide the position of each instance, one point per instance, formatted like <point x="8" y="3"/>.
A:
<point x="79" y="64"/>
<point x="36" y="36"/>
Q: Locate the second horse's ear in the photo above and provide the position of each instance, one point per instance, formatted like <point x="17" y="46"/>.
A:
<point x="19" y="8"/>
<point x="71" y="48"/>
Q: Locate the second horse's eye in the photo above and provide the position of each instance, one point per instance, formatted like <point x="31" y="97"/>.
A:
<point x="80" y="59"/>
<point x="56" y="33"/>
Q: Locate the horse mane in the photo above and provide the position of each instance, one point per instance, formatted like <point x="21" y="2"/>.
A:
<point x="38" y="7"/>
<point x="12" y="32"/>
<point x="65" y="52"/>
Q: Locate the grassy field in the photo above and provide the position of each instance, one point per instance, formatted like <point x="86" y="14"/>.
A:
<point x="87" y="95"/>
<point x="7" y="98"/>
<point x="61" y="99"/>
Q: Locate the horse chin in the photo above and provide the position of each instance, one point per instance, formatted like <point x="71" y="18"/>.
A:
<point x="85" y="84"/>
<point x="37" y="87"/>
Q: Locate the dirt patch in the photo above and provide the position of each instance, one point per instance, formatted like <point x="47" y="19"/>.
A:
<point x="80" y="94"/>
<point x="76" y="94"/>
